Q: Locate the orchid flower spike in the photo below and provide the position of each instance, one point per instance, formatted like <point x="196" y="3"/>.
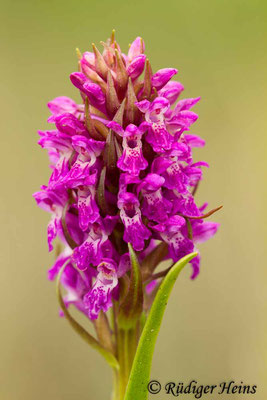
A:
<point x="123" y="177"/>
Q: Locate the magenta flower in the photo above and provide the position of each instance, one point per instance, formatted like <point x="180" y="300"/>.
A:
<point x="155" y="206"/>
<point x="122" y="173"/>
<point x="53" y="202"/>
<point x="135" y="232"/>
<point x="99" y="296"/>
<point x="158" y="136"/>
<point x="132" y="159"/>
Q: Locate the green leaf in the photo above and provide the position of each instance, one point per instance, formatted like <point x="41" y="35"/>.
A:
<point x="140" y="373"/>
<point x="132" y="305"/>
<point x="89" y="339"/>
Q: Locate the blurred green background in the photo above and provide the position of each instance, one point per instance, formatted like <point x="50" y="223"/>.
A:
<point x="215" y="327"/>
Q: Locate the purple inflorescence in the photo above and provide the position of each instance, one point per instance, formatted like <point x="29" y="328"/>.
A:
<point x="122" y="172"/>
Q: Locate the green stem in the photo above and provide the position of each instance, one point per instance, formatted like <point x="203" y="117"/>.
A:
<point x="126" y="353"/>
<point x="126" y="348"/>
<point x="115" y="392"/>
<point x="122" y="358"/>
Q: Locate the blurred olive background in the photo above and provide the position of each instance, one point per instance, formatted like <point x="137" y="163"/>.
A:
<point x="214" y="329"/>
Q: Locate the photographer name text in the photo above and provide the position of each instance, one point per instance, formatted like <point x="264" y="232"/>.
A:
<point x="198" y="390"/>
